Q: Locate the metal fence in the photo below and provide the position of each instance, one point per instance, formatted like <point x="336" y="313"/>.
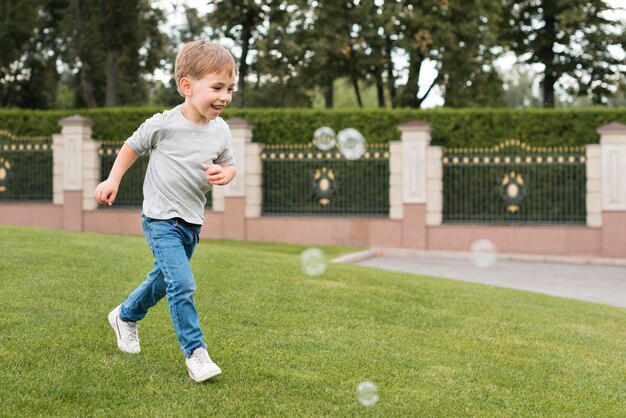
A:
<point x="303" y="180"/>
<point x="514" y="183"/>
<point x="130" y="193"/>
<point x="25" y="168"/>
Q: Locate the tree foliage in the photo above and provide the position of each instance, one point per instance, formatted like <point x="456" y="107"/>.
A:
<point x="574" y="41"/>
<point x="93" y="53"/>
<point x="104" y="49"/>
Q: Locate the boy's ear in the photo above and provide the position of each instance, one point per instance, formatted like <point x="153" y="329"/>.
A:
<point x="184" y="85"/>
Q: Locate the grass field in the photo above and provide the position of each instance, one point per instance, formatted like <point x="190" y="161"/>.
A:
<point x="293" y="345"/>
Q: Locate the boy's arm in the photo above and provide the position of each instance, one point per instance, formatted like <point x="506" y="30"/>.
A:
<point x="220" y="175"/>
<point x="107" y="190"/>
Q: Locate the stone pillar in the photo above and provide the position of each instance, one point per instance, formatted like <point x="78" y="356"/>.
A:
<point x="415" y="138"/>
<point x="396" y="209"/>
<point x="217" y="196"/>
<point x="594" y="185"/>
<point x="254" y="180"/>
<point x="57" y="169"/>
<point x="415" y="141"/>
<point x="234" y="206"/>
<point x="613" y="144"/>
<point x="434" y="185"/>
<point x="76" y="169"/>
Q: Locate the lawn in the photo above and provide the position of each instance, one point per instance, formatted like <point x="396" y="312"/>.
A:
<point x="293" y="345"/>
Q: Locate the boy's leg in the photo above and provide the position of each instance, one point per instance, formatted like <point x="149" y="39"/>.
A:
<point x="144" y="297"/>
<point x="172" y="243"/>
<point x="147" y="293"/>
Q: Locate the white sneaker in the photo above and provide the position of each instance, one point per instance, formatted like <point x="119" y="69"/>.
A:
<point x="126" y="332"/>
<point x="200" y="365"/>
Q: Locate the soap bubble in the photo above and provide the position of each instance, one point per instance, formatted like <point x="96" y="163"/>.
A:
<point x="484" y="253"/>
<point x="367" y="393"/>
<point x="324" y="138"/>
<point x="313" y="261"/>
<point x="351" y="143"/>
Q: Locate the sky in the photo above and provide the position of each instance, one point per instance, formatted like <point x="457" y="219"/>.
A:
<point x="174" y="10"/>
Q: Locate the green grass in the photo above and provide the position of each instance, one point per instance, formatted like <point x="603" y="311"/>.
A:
<point x="293" y="345"/>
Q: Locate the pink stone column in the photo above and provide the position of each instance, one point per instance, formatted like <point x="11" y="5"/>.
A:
<point x="613" y="145"/>
<point x="235" y="194"/>
<point x="76" y="169"/>
<point x="415" y="138"/>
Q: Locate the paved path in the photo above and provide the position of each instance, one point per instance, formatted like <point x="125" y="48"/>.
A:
<point x="590" y="282"/>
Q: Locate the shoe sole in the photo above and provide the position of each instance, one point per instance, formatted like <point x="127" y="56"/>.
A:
<point x="113" y="318"/>
<point x="212" y="373"/>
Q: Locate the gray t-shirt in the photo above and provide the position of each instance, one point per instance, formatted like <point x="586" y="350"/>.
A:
<point x="176" y="183"/>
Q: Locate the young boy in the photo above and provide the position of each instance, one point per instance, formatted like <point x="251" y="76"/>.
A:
<point x="190" y="150"/>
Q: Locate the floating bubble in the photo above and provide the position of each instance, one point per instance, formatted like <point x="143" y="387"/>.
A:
<point x="484" y="253"/>
<point x="324" y="138"/>
<point x="367" y="393"/>
<point x="351" y="143"/>
<point x="313" y="262"/>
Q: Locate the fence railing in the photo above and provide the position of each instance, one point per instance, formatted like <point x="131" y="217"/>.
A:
<point x="514" y="183"/>
<point x="25" y="168"/>
<point x="130" y="193"/>
<point x="303" y="180"/>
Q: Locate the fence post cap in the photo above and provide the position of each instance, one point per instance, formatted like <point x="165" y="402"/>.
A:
<point x="76" y="120"/>
<point x="239" y="123"/>
<point x="611" y="128"/>
<point x="415" y="124"/>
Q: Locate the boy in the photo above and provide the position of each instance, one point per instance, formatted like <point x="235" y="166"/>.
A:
<point x="190" y="151"/>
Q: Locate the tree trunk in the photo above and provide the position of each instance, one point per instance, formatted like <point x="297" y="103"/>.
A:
<point x="111" y="93"/>
<point x="357" y="92"/>
<point x="420" y="100"/>
<point x="246" y="35"/>
<point x="86" y="80"/>
<point x="380" y="90"/>
<point x="329" y="96"/>
<point x="548" y="87"/>
<point x="86" y="83"/>
<point x="391" y="78"/>
<point x="546" y="55"/>
<point x="411" y="89"/>
<point x="8" y="9"/>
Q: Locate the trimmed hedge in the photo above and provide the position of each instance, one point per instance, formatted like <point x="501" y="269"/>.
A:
<point x="451" y="127"/>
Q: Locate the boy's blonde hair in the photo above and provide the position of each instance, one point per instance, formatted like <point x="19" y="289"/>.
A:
<point x="199" y="58"/>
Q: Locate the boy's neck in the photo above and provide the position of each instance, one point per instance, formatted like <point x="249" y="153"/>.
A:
<point x="192" y="116"/>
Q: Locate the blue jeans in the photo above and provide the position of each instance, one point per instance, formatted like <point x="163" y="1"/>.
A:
<point x="172" y="242"/>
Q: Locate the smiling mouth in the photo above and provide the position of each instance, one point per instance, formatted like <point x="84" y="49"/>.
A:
<point x="215" y="107"/>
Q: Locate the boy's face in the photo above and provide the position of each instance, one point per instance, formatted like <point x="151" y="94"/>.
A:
<point x="208" y="96"/>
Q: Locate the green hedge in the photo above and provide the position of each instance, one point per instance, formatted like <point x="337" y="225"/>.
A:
<point x="451" y="127"/>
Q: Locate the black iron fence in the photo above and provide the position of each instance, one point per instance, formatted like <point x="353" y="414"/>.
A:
<point x="303" y="180"/>
<point x="514" y="183"/>
<point x="25" y="168"/>
<point x="130" y="193"/>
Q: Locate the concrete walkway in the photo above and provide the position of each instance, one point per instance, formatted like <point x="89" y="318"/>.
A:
<point x="576" y="278"/>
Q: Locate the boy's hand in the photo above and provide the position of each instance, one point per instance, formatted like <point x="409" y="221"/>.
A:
<point x="106" y="192"/>
<point x="215" y="174"/>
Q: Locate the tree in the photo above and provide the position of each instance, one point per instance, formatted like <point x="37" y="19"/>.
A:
<point x="241" y="21"/>
<point x="301" y="44"/>
<point x="19" y="34"/>
<point x="114" y="44"/>
<point x="520" y="87"/>
<point x="281" y="57"/>
<point x="467" y="52"/>
<point x="569" y="37"/>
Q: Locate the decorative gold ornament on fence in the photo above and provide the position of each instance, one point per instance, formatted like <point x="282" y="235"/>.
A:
<point x="5" y="174"/>
<point x="324" y="185"/>
<point x="513" y="190"/>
